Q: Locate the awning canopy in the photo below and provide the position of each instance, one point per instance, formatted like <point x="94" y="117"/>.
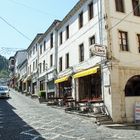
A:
<point x="86" y="72"/>
<point x="63" y="79"/>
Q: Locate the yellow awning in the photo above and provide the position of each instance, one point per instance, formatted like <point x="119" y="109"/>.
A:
<point x="63" y="79"/>
<point x="86" y="72"/>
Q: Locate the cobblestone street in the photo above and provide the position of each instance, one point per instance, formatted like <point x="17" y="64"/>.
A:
<point x="23" y="118"/>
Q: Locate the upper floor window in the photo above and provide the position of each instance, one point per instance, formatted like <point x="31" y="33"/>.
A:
<point x="36" y="47"/>
<point x="123" y="41"/>
<point x="92" y="40"/>
<point x="81" y="52"/>
<point x="67" y="60"/>
<point x="30" y="70"/>
<point x="51" y="40"/>
<point x="136" y="7"/>
<point x="81" y="20"/>
<point x="90" y="10"/>
<point x="119" y="5"/>
<point x="51" y="60"/>
<point x="44" y="65"/>
<point x="33" y="65"/>
<point x="13" y="62"/>
<point x="60" y="64"/>
<point x="40" y="49"/>
<point x="36" y="63"/>
<point x="61" y="38"/>
<point x="40" y="67"/>
<point x="33" y="49"/>
<point x="44" y="46"/>
<point x="138" y="38"/>
<point x="67" y="31"/>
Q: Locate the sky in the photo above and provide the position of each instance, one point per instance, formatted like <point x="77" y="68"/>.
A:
<point x="20" y="21"/>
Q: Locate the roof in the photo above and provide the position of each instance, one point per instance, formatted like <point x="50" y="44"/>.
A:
<point x="35" y="40"/>
<point x="55" y="23"/>
<point x="12" y="57"/>
<point x="71" y="13"/>
<point x="19" y="52"/>
<point x="24" y="62"/>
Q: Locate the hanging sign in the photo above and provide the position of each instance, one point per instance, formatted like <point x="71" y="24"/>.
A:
<point x="137" y="112"/>
<point x="99" y="50"/>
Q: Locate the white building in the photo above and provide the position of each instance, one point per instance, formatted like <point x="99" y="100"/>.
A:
<point x="86" y="76"/>
<point x="76" y="33"/>
<point x="23" y="74"/>
<point x="20" y="57"/>
<point x="47" y="59"/>
<point x="32" y="72"/>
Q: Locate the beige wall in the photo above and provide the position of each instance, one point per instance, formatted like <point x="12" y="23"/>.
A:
<point x="122" y="107"/>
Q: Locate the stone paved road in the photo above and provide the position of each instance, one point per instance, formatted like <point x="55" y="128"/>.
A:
<point x="22" y="118"/>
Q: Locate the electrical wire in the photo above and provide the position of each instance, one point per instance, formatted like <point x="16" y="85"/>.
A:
<point x="29" y="7"/>
<point x="124" y="17"/>
<point x="15" y="28"/>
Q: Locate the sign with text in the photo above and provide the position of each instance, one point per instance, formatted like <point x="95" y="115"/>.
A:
<point x="99" y="50"/>
<point x="137" y="112"/>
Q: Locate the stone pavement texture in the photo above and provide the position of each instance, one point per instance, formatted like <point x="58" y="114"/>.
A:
<point x="23" y="118"/>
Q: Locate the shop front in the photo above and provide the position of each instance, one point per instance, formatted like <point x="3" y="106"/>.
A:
<point x="42" y="84"/>
<point x="89" y="84"/>
<point x="64" y="88"/>
<point x="50" y="89"/>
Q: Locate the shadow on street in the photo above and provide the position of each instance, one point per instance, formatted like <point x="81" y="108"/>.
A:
<point x="126" y="127"/>
<point x="12" y="127"/>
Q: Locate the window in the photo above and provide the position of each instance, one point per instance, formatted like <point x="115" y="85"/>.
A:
<point x="60" y="64"/>
<point x="61" y="39"/>
<point x="92" y="40"/>
<point x="67" y="60"/>
<point x="36" y="47"/>
<point x="44" y="66"/>
<point x="81" y="20"/>
<point x="36" y="63"/>
<point x="81" y="52"/>
<point x="40" y="49"/>
<point x="138" y="37"/>
<point x="30" y="69"/>
<point x="119" y="5"/>
<point x="44" y="46"/>
<point x="12" y="62"/>
<point x="51" y="40"/>
<point x="136" y="7"/>
<point x="67" y="32"/>
<point x="123" y="41"/>
<point x="51" y="60"/>
<point x="40" y="67"/>
<point x="33" y="49"/>
<point x="90" y="10"/>
<point x="33" y="65"/>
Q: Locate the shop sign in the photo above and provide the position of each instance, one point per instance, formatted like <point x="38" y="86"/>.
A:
<point x="98" y="50"/>
<point x="137" y="113"/>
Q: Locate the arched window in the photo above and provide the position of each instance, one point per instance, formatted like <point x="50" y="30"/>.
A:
<point x="132" y="87"/>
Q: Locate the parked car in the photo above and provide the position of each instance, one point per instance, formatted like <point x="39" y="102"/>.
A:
<point x="4" y="92"/>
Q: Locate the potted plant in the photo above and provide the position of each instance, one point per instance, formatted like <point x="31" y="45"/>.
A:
<point x="42" y="96"/>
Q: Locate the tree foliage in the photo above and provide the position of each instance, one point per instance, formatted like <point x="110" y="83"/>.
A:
<point x="3" y="67"/>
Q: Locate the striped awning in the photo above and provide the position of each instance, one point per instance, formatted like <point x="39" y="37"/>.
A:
<point x="86" y="72"/>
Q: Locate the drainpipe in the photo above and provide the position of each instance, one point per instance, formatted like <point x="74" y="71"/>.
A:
<point x="100" y="16"/>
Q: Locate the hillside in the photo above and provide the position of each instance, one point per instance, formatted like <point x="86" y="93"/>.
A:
<point x="3" y="67"/>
